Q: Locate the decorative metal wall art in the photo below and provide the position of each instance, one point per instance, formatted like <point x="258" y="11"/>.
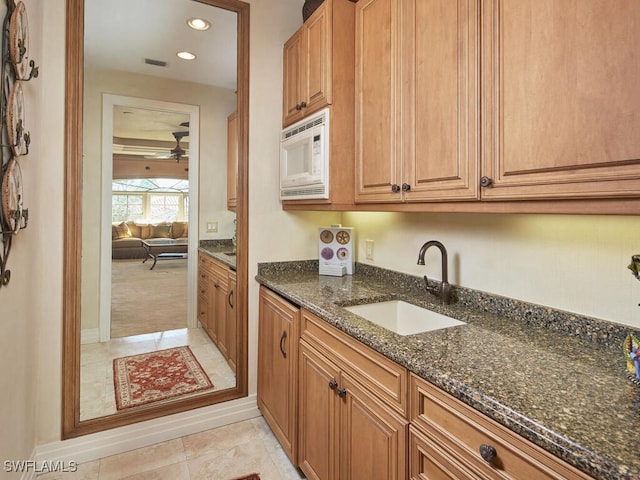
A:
<point x="17" y="67"/>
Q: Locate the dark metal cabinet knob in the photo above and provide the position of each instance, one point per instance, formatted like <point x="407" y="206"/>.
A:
<point x="342" y="392"/>
<point x="303" y="105"/>
<point x="333" y="384"/>
<point x="486" y="182"/>
<point x="298" y="107"/>
<point x="406" y="187"/>
<point x="395" y="188"/>
<point x="488" y="453"/>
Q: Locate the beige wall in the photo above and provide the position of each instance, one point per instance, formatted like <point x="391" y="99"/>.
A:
<point x="30" y="306"/>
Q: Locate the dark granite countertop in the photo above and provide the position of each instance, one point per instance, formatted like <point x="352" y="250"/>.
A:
<point x="220" y="250"/>
<point x="557" y="379"/>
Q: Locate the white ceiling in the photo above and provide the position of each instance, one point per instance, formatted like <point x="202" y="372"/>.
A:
<point x="120" y="34"/>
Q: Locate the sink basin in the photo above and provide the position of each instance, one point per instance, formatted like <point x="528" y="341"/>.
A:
<point x="403" y="318"/>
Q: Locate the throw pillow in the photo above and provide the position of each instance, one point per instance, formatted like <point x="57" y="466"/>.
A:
<point x="120" y="231"/>
<point x="179" y="229"/>
<point x="145" y="231"/>
<point x="134" y="229"/>
<point x="160" y="231"/>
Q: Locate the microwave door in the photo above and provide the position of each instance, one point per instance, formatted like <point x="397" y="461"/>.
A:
<point x="302" y="161"/>
<point x="297" y="158"/>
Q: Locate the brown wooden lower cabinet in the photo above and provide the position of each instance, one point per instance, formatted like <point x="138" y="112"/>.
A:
<point x="216" y="310"/>
<point x="339" y="409"/>
<point x="278" y="333"/>
<point x="344" y="432"/>
<point x="450" y="440"/>
<point x="352" y="407"/>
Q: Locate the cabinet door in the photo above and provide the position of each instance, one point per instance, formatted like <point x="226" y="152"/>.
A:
<point x="232" y="323"/>
<point x="277" y="368"/>
<point x="440" y="107"/>
<point x="318" y="62"/>
<point x="318" y="415"/>
<point x="373" y="439"/>
<point x="562" y="98"/>
<point x="232" y="161"/>
<point x="219" y="311"/>
<point x="294" y="77"/>
<point x="378" y="166"/>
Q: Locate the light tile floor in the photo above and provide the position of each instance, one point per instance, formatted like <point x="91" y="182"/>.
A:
<point x="97" y="396"/>
<point x="223" y="453"/>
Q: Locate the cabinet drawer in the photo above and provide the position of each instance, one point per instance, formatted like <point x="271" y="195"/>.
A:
<point x="205" y="262"/>
<point x="428" y="460"/>
<point x="385" y="378"/>
<point x="203" y="309"/>
<point x="460" y="430"/>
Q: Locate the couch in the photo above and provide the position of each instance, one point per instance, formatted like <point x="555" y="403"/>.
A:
<point x="126" y="237"/>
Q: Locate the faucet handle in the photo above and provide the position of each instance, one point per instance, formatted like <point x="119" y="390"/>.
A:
<point x="429" y="289"/>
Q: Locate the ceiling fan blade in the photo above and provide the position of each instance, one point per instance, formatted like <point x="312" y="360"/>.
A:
<point x="160" y="156"/>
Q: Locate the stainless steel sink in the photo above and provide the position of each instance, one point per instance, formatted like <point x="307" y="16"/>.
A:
<point x="403" y="318"/>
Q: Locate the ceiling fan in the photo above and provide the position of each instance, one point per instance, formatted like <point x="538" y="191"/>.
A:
<point x="177" y="152"/>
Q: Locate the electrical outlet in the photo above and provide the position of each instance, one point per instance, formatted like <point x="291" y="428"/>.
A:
<point x="212" y="227"/>
<point x="368" y="249"/>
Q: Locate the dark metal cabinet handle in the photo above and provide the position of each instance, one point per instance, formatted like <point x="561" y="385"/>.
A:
<point x="303" y="105"/>
<point x="282" y="339"/>
<point x="486" y="182"/>
<point x="488" y="453"/>
<point x="333" y="384"/>
<point x="230" y="298"/>
<point x="217" y="285"/>
<point x="395" y="188"/>
<point x="342" y="392"/>
<point x="406" y="187"/>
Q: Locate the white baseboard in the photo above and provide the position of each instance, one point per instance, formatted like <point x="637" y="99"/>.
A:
<point x="118" y="440"/>
<point x="89" y="335"/>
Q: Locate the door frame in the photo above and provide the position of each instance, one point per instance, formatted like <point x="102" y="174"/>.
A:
<point x="109" y="101"/>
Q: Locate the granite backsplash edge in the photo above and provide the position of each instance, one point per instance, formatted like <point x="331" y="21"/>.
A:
<point x="576" y="325"/>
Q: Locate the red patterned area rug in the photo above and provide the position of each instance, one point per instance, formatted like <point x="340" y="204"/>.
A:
<point x="156" y="376"/>
<point x="253" y="476"/>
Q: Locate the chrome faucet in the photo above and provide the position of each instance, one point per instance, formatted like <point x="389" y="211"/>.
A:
<point x="445" y="289"/>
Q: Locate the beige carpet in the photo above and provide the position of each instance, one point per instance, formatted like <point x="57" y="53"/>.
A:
<point x="147" y="301"/>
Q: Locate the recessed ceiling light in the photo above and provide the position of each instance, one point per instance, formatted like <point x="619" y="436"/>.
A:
<point x="186" y="55"/>
<point x="199" y="24"/>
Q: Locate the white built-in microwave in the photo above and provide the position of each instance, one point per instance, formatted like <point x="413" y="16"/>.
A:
<point x="304" y="158"/>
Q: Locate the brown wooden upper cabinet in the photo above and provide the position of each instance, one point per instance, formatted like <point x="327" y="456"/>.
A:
<point x="562" y="99"/>
<point x="318" y="72"/>
<point x="308" y="67"/>
<point x="417" y="67"/>
<point x="559" y="100"/>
